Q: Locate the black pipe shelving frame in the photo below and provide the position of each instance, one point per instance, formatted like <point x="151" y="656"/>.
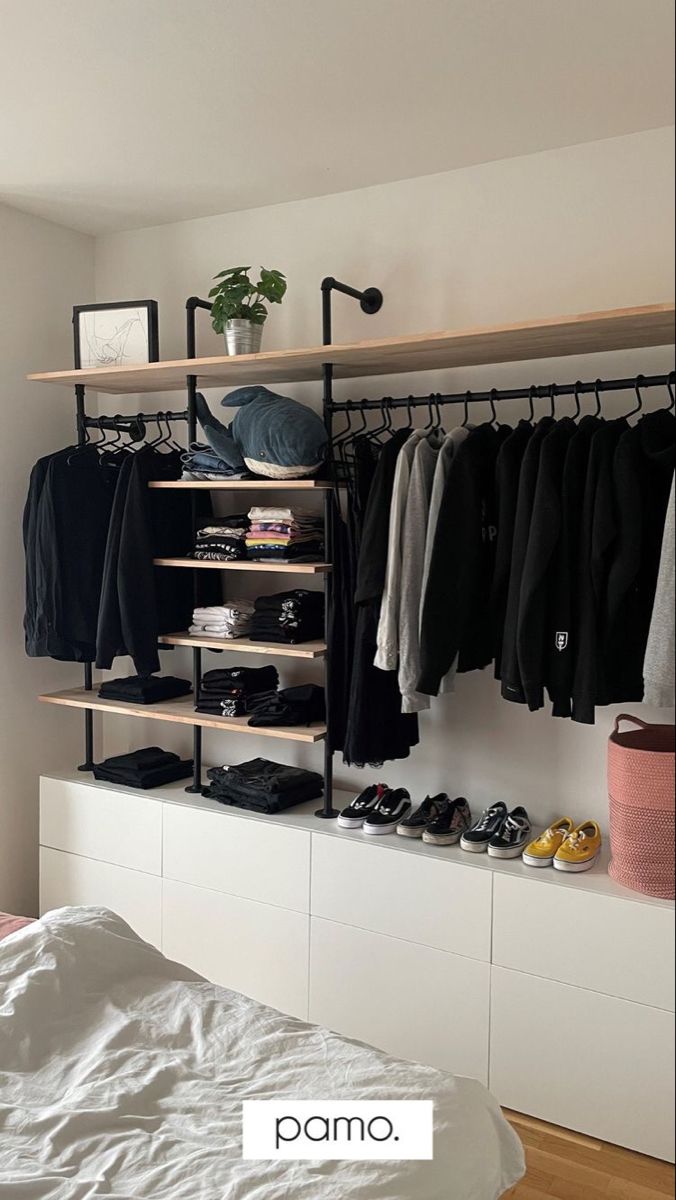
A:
<point x="370" y="300"/>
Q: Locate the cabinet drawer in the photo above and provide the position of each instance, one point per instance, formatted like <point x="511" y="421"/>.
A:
<point x="411" y="1001"/>
<point x="623" y="948"/>
<point x="137" y="898"/>
<point x="588" y="1062"/>
<point x="240" y="944"/>
<point x="242" y="857"/>
<point x="98" y="823"/>
<point x="418" y="898"/>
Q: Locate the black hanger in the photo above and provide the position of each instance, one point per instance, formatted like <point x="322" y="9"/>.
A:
<point x="598" y="384"/>
<point x="670" y="389"/>
<point x="468" y="401"/>
<point x="494" y="395"/>
<point x="639" y="406"/>
<point x="578" y="406"/>
<point x="531" y="402"/>
<point x="553" y="393"/>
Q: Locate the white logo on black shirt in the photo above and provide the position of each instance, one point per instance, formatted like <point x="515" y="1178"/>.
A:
<point x="561" y="641"/>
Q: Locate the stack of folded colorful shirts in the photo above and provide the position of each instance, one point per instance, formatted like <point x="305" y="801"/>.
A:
<point x="232" y="619"/>
<point x="222" y="539"/>
<point x="146" y="768"/>
<point x="300" y="705"/>
<point x="264" y="786"/>
<point x="285" y="535"/>
<point x="137" y="689"/>
<point x="202" y="462"/>
<point x="288" y="617"/>
<point x="231" y="692"/>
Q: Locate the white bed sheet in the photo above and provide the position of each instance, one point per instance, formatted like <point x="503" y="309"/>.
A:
<point x="122" y="1075"/>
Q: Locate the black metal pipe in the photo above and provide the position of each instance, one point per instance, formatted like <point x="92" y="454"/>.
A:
<point x="104" y="421"/>
<point x="88" y="764"/>
<point x="327" y="812"/>
<point x="195" y="788"/>
<point x="542" y="391"/>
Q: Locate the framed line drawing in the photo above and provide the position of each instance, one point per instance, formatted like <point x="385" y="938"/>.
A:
<point x="121" y="334"/>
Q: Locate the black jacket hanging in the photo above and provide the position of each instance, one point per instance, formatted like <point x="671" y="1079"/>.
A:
<point x="507" y="471"/>
<point x="537" y="579"/>
<point x="561" y="634"/>
<point x="643" y="469"/>
<point x="511" y="679"/>
<point x="456" y="608"/>
<point x="597" y="535"/>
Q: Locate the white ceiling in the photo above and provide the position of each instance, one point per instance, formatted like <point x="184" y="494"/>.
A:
<point x="117" y="114"/>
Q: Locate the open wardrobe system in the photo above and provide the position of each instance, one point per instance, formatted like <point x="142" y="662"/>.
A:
<point x="438" y="537"/>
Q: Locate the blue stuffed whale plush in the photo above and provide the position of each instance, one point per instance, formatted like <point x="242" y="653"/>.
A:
<point x="271" y="435"/>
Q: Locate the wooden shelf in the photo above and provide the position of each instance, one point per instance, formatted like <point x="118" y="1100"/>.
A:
<point x="275" y="567"/>
<point x="245" y="646"/>
<point x="245" y="485"/>
<point x="581" y="333"/>
<point x="182" y="712"/>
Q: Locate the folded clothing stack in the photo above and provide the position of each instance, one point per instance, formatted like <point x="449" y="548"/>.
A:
<point x="201" y="462"/>
<point x="264" y="786"/>
<point x="285" y="535"/>
<point x="146" y="768"/>
<point x="137" y="689"/>
<point x="288" y="617"/>
<point x="300" y="705"/>
<point x="222" y="539"/>
<point x="229" y="620"/>
<point x="232" y="691"/>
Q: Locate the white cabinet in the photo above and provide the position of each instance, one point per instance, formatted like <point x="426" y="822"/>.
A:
<point x="584" y="1060"/>
<point x="249" y="947"/>
<point x="409" y="1000"/>
<point x="117" y="827"/>
<point x="555" y="991"/>
<point x="415" y="897"/>
<point x="135" y="896"/>
<point x="622" y="948"/>
<point x="244" y="857"/>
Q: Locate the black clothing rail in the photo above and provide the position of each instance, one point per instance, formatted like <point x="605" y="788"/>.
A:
<point x="551" y="391"/>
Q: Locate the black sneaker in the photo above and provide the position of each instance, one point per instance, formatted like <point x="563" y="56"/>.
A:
<point x="431" y="809"/>
<point x="391" y="809"/>
<point x="511" y="840"/>
<point x="450" y="824"/>
<point x="490" y="822"/>
<point x="355" y="814"/>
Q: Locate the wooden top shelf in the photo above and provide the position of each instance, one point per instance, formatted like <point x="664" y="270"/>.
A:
<point x="280" y="568"/>
<point x="581" y="333"/>
<point x="246" y="485"/>
<point x="245" y="646"/>
<point x="182" y="712"/>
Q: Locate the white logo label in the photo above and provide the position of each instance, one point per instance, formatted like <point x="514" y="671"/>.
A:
<point x="561" y="641"/>
<point x="402" y="1130"/>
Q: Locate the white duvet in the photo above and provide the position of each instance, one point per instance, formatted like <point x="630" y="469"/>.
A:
<point x="122" y="1074"/>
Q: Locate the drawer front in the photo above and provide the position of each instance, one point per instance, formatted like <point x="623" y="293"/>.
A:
<point x="94" y="822"/>
<point x="240" y="944"/>
<point x="623" y="948"/>
<point x="418" y="898"/>
<point x="248" y="858"/>
<point x="136" y="897"/>
<point x="589" y="1062"/>
<point x="411" y="1001"/>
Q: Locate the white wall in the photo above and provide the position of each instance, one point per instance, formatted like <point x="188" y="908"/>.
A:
<point x="45" y="270"/>
<point x="588" y="227"/>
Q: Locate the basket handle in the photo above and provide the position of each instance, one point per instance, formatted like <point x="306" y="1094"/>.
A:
<point x="629" y="717"/>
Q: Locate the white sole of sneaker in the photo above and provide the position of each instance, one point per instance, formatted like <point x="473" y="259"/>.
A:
<point x="575" y="868"/>
<point x="404" y="831"/>
<point x="473" y="847"/>
<point x="441" y="839"/>
<point x="537" y="862"/>
<point x="377" y="830"/>
<point x="505" y="851"/>
<point x="351" y="822"/>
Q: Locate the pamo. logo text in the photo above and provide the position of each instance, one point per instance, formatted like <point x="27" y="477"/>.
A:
<point x="337" y="1129"/>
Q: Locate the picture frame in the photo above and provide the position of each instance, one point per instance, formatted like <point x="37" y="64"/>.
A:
<point x="117" y="334"/>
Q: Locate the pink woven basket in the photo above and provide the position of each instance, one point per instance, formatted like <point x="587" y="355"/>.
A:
<point x="642" y="806"/>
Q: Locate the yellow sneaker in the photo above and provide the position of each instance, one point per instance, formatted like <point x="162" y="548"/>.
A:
<point x="581" y="848"/>
<point x="541" y="851"/>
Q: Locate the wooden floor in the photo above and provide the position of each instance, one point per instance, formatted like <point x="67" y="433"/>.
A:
<point x="569" y="1166"/>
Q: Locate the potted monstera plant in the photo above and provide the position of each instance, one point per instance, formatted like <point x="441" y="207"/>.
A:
<point x="238" y="306"/>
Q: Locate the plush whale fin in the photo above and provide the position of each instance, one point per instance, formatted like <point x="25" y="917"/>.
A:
<point x="218" y="435"/>
<point x="247" y="395"/>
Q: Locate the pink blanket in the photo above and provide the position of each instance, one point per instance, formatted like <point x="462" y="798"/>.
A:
<point x="9" y="924"/>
